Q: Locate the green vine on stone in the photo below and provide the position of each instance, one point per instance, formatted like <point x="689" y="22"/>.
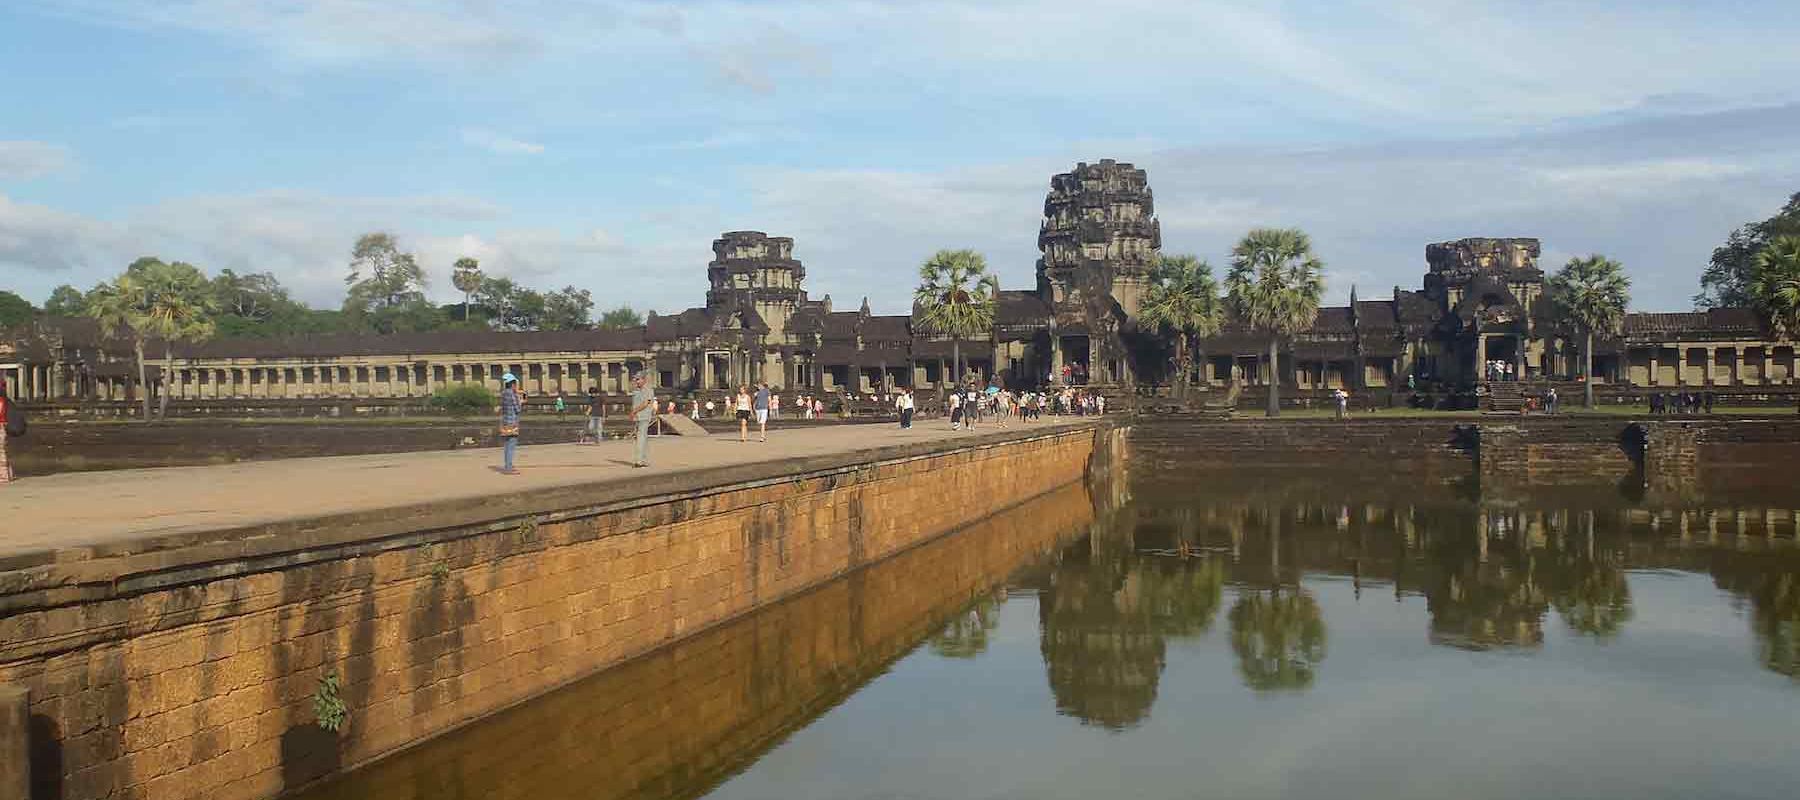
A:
<point x="440" y="571"/>
<point x="528" y="528"/>
<point x="328" y="707"/>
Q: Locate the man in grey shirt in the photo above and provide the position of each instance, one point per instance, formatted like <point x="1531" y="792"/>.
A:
<point x="643" y="410"/>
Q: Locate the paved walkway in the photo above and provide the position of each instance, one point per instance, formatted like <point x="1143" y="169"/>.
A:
<point x="88" y="508"/>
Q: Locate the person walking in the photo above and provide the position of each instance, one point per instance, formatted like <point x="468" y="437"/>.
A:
<point x="596" y="416"/>
<point x="560" y="407"/>
<point x="510" y="407"/>
<point x="741" y="405"/>
<point x="1550" y="399"/>
<point x="761" y="406"/>
<point x="643" y="409"/>
<point x="1342" y="400"/>
<point x="906" y="408"/>
<point x="774" y="404"/>
<point x="7" y="414"/>
<point x="956" y="411"/>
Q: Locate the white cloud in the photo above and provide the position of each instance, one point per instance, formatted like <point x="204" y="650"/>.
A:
<point x="24" y="160"/>
<point x="45" y="241"/>
<point x="499" y="144"/>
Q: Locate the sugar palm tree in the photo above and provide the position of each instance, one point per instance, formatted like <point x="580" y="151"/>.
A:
<point x="465" y="275"/>
<point x="1594" y="291"/>
<point x="1775" y="285"/>
<point x="956" y="296"/>
<point x="1274" y="285"/>
<point x="1183" y="300"/>
<point x="179" y="308"/>
<point x="121" y="306"/>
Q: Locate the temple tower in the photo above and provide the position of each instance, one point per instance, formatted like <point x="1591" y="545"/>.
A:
<point x="1099" y="230"/>
<point x="751" y="269"/>
<point x="1099" y="243"/>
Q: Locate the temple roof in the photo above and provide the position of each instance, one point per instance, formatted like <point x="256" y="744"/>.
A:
<point x="1713" y="322"/>
<point x="402" y="344"/>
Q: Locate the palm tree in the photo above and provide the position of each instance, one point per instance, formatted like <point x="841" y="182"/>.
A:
<point x="465" y="275"/>
<point x="122" y="306"/>
<point x="1595" y="292"/>
<point x="1274" y="285"/>
<point x="1183" y="299"/>
<point x="956" y="296"/>
<point x="179" y="308"/>
<point x="1775" y="285"/>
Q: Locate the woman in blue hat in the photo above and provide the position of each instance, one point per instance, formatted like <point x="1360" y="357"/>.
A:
<point x="509" y="422"/>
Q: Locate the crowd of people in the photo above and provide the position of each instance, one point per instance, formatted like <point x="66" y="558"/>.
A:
<point x="758" y="404"/>
<point x="1681" y="403"/>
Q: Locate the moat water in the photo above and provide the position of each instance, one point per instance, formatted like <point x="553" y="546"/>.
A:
<point x="1205" y="634"/>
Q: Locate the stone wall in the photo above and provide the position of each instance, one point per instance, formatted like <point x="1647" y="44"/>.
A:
<point x="183" y="673"/>
<point x="1657" y="454"/>
<point x="737" y="689"/>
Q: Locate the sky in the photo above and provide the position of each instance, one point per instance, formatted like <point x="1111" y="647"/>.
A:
<point x="605" y="145"/>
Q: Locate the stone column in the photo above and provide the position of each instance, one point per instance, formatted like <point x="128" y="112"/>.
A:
<point x="1481" y="358"/>
<point x="1519" y="357"/>
<point x="1711" y="356"/>
<point x="1655" y="364"/>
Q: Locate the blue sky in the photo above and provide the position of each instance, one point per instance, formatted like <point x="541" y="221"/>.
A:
<point x="604" y="145"/>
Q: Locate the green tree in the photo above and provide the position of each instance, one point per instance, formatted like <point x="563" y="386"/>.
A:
<point x="255" y="297"/>
<point x="568" y="309"/>
<point x="1775" y="286"/>
<point x="956" y="296"/>
<point x="1274" y="286"/>
<point x="1183" y="300"/>
<point x="179" y="307"/>
<point x="621" y="318"/>
<point x="511" y="306"/>
<point x="1594" y="291"/>
<point x="385" y="283"/>
<point x="465" y="275"/>
<point x="1728" y="276"/>
<point x="122" y="307"/>
<point x="15" y="310"/>
<point x="66" y="301"/>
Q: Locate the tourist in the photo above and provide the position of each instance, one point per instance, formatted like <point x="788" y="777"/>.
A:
<point x="596" y="416"/>
<point x="774" y="405"/>
<point x="694" y="409"/>
<point x="956" y="411"/>
<point x="1100" y="403"/>
<point x="1706" y="400"/>
<point x="7" y="414"/>
<point x="818" y="408"/>
<point x="643" y="409"/>
<point x="740" y="405"/>
<point x="761" y="405"/>
<point x="509" y="422"/>
<point x="906" y="408"/>
<point x="1550" y="400"/>
<point x="560" y="406"/>
<point x="1656" y="402"/>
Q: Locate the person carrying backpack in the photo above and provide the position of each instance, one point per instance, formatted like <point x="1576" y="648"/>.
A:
<point x="12" y="426"/>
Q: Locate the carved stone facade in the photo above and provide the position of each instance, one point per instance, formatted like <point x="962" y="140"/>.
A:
<point x="1480" y="300"/>
<point x="1099" y="243"/>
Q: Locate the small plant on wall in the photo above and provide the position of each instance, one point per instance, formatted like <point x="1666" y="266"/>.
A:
<point x="328" y="707"/>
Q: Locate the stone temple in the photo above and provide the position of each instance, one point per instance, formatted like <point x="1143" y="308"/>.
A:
<point x="1481" y="299"/>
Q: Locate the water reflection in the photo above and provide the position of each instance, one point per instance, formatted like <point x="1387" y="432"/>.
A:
<point x="1491" y="574"/>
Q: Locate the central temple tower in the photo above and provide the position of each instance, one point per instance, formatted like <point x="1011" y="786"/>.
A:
<point x="1099" y="243"/>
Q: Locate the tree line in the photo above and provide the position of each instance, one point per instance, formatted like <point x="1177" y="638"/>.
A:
<point x="384" y="293"/>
